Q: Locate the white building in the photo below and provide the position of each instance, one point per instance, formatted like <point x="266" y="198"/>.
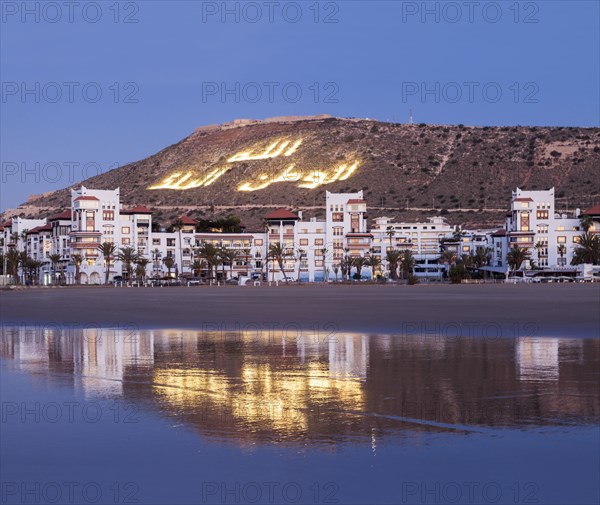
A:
<point x="534" y="224"/>
<point x="313" y="249"/>
<point x="422" y="239"/>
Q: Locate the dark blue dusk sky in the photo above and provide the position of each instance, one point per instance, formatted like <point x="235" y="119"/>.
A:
<point x="88" y="86"/>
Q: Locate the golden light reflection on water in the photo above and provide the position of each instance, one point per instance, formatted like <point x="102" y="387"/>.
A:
<point x="263" y="396"/>
<point x="288" y="173"/>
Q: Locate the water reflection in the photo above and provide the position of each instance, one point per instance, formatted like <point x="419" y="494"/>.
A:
<point x="247" y="387"/>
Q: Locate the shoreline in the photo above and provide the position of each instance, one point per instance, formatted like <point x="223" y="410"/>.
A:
<point x="487" y="310"/>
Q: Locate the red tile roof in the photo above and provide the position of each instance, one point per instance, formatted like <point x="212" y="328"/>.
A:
<point x="499" y="233"/>
<point x="187" y="220"/>
<point x="594" y="211"/>
<point x="523" y="200"/>
<point x="354" y="200"/>
<point x="138" y="209"/>
<point x="86" y="198"/>
<point x="65" y="214"/>
<point x="7" y="224"/>
<point x="37" y="229"/>
<point x="281" y="214"/>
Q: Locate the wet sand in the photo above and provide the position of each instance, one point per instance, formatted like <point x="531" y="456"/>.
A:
<point x="563" y="310"/>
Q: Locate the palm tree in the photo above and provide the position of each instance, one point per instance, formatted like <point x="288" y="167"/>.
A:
<point x="32" y="266"/>
<point x="482" y="257"/>
<point x="374" y="262"/>
<point x="23" y="259"/>
<point x="169" y="263"/>
<point x="156" y="255"/>
<point x="210" y="253"/>
<point x="586" y="222"/>
<point x="393" y="258"/>
<point x="278" y="253"/>
<point x="587" y="250"/>
<point x="539" y="245"/>
<point x="448" y="257"/>
<point x="77" y="260"/>
<point x="346" y="264"/>
<point x="55" y="260"/>
<point x="229" y="256"/>
<point x="127" y="256"/>
<point x="336" y="269"/>
<point x="222" y="259"/>
<point x="390" y="231"/>
<point x="562" y="250"/>
<point x="197" y="266"/>
<point x="516" y="256"/>
<point x="247" y="260"/>
<point x="140" y="267"/>
<point x="108" y="250"/>
<point x="12" y="264"/>
<point x="458" y="234"/>
<point x="407" y="263"/>
<point x="24" y="236"/>
<point x="14" y="239"/>
<point x="358" y="262"/>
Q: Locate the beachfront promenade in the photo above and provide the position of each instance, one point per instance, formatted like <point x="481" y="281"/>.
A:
<point x="507" y="310"/>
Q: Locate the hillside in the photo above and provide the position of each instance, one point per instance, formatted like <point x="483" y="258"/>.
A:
<point x="406" y="171"/>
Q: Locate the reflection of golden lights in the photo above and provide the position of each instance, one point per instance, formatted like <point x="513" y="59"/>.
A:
<point x="262" y="396"/>
<point x="307" y="179"/>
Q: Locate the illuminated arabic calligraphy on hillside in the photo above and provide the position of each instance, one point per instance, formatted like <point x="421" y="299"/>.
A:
<point x="308" y="179"/>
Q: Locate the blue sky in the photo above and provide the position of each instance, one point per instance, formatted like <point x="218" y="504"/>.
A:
<point x="92" y="86"/>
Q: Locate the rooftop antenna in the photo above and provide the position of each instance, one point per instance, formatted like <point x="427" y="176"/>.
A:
<point x="410" y="117"/>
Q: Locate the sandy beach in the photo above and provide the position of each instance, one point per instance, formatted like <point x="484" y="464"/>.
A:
<point x="565" y="310"/>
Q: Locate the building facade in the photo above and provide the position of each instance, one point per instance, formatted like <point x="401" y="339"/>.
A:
<point x="68" y="245"/>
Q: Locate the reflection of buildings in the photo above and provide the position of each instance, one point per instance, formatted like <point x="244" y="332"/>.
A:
<point x="105" y="356"/>
<point x="96" y="359"/>
<point x="537" y="358"/>
<point x="253" y="386"/>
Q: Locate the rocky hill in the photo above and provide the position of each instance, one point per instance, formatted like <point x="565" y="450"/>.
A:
<point x="406" y="171"/>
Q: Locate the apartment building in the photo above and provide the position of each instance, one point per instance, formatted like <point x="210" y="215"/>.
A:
<point x="422" y="239"/>
<point x="533" y="223"/>
<point x="312" y="249"/>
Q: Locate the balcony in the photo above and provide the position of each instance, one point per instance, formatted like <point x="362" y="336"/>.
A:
<point x="85" y="245"/>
